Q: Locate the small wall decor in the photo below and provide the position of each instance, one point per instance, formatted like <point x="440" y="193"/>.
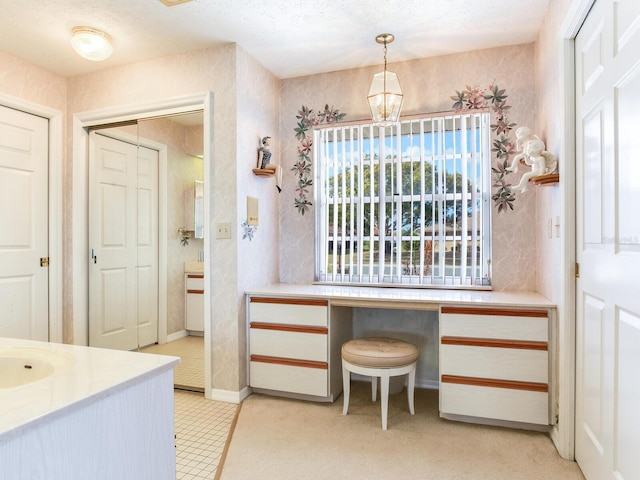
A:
<point x="495" y="98"/>
<point x="307" y="118"/>
<point x="184" y="235"/>
<point x="265" y="168"/>
<point x="248" y="231"/>
<point x="533" y="153"/>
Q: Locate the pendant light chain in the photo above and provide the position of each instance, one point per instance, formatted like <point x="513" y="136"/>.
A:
<point x="385" y="55"/>
<point x="385" y="78"/>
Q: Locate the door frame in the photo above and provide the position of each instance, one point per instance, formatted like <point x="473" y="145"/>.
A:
<point x="55" y="212"/>
<point x="161" y="148"/>
<point x="80" y="242"/>
<point x="563" y="432"/>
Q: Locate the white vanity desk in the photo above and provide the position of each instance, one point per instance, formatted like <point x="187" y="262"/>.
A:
<point x="496" y="349"/>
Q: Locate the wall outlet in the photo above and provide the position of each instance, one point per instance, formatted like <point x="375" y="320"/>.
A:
<point x="223" y="230"/>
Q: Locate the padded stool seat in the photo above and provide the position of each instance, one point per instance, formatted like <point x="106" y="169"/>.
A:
<point x="379" y="357"/>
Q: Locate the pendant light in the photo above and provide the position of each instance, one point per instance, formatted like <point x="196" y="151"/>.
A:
<point x="385" y="95"/>
<point x="91" y="43"/>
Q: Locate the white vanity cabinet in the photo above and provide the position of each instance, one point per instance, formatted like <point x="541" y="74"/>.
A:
<point x="194" y="301"/>
<point x="495" y="364"/>
<point x="294" y="347"/>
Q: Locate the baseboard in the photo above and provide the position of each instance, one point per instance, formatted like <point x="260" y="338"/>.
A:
<point x="296" y="396"/>
<point x="496" y="423"/>
<point x="177" y="335"/>
<point x="230" y="396"/>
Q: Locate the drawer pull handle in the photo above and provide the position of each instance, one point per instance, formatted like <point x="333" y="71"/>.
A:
<point x="290" y="301"/>
<point x="198" y="292"/>
<point x="495" y="343"/>
<point x="495" y="312"/>
<point x="289" y="328"/>
<point x="195" y="276"/>
<point x="289" y="362"/>
<point x="490" y="382"/>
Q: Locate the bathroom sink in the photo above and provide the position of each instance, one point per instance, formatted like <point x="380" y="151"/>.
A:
<point x="193" y="266"/>
<point x="22" y="365"/>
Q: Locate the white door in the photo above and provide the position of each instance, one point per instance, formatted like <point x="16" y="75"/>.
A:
<point x="608" y="241"/>
<point x="123" y="238"/>
<point x="147" y="246"/>
<point x="24" y="237"/>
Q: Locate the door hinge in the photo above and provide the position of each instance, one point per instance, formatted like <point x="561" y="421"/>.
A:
<point x="577" y="270"/>
<point x="44" y="261"/>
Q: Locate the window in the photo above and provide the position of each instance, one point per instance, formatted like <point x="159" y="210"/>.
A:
<point x="407" y="204"/>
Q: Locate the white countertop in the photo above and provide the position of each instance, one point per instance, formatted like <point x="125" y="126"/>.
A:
<point x="394" y="297"/>
<point x="93" y="373"/>
<point x="193" y="266"/>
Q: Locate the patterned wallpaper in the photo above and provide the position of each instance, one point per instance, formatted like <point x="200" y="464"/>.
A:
<point x="427" y="86"/>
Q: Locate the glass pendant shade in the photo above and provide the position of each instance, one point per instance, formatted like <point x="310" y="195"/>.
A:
<point x="385" y="98"/>
<point x="91" y="44"/>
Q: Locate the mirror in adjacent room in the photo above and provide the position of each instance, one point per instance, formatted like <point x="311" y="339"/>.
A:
<point x="198" y="209"/>
<point x="193" y="226"/>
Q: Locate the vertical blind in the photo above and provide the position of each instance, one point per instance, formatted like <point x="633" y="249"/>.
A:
<point x="407" y="204"/>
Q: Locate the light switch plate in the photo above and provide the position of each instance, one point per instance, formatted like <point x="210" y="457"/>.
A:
<point x="223" y="230"/>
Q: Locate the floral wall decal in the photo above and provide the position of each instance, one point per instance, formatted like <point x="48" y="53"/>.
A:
<point x="307" y="119"/>
<point x="503" y="145"/>
<point x="248" y="231"/>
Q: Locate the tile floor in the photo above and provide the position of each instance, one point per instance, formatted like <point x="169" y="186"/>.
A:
<point x="189" y="374"/>
<point x="201" y="426"/>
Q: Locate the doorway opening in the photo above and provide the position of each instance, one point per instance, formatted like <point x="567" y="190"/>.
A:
<point x="83" y="122"/>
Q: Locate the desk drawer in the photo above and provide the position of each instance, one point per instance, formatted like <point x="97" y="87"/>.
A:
<point x="488" y="362"/>
<point x="494" y="323"/>
<point x="194" y="281"/>
<point x="289" y="311"/>
<point x="288" y="378"/>
<point x="497" y="403"/>
<point x="288" y="344"/>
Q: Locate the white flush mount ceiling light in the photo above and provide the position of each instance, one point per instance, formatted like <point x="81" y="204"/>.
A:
<point x="385" y="95"/>
<point x="171" y="3"/>
<point x="91" y="44"/>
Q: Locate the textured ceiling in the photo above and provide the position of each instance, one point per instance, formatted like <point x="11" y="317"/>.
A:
<point x="289" y="37"/>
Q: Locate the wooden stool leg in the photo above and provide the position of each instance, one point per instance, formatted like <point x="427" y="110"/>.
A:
<point x="384" y="396"/>
<point x="410" y="390"/>
<point x="346" y="389"/>
<point x="374" y="388"/>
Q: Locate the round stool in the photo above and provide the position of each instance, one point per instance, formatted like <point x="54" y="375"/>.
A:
<point x="379" y="357"/>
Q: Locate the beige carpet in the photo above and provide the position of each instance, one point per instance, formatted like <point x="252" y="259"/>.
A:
<point x="285" y="439"/>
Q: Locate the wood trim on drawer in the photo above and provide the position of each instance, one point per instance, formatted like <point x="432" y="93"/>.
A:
<point x="195" y="275"/>
<point x="495" y="343"/>
<point x="199" y="292"/>
<point x="290" y="301"/>
<point x="490" y="382"/>
<point x="504" y="312"/>
<point x="290" y="362"/>
<point x="289" y="328"/>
